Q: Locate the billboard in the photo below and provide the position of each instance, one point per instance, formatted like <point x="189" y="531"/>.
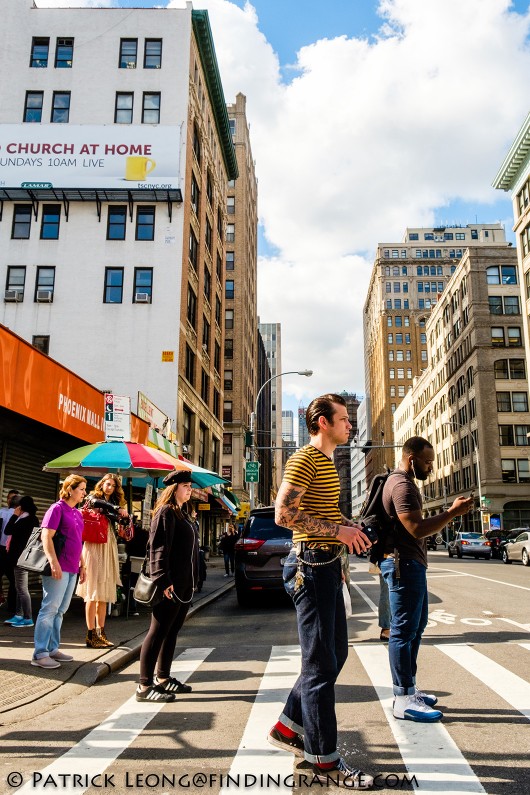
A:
<point x="89" y="156"/>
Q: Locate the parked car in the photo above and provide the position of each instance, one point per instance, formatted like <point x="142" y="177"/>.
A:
<point x="499" y="539"/>
<point x="259" y="554"/>
<point x="517" y="548"/>
<point x="473" y="544"/>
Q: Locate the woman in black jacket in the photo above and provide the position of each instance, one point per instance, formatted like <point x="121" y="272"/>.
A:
<point x="173" y="559"/>
<point x="18" y="531"/>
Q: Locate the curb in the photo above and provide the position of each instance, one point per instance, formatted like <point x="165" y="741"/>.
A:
<point x="124" y="654"/>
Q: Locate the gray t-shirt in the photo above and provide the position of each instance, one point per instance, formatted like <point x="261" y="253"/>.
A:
<point x="401" y="495"/>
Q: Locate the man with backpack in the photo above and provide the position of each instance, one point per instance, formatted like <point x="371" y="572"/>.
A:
<point x="403" y="564"/>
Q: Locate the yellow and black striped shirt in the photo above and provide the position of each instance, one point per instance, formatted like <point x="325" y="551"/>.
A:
<point x="311" y="470"/>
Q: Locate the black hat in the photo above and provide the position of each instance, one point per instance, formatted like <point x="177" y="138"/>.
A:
<point x="178" y="476"/>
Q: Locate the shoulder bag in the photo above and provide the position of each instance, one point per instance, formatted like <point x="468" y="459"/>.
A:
<point x="146" y="591"/>
<point x="95" y="526"/>
<point x="33" y="557"/>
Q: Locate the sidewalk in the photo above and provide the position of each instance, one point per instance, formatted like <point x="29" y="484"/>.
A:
<point x="24" y="684"/>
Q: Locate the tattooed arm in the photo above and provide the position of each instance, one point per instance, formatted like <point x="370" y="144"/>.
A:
<point x="288" y="514"/>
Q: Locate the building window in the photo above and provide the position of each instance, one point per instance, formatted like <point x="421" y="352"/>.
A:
<point x="205" y="335"/>
<point x="231" y="205"/>
<point x="229" y="289"/>
<point x="21" y="222"/>
<point x="44" y="284"/>
<point x="123" y="110"/>
<point x="128" y="53"/>
<point x="116" y="222"/>
<point x="197" y="143"/>
<point x="511" y="305"/>
<point x="523" y="473"/>
<point x="208" y="235"/>
<point x="153" y="54"/>
<point x="216" y="404"/>
<point x="229" y="380"/>
<point x="60" y="107"/>
<point x="495" y="303"/>
<point x="230" y="233"/>
<point x="64" y="53"/>
<point x="113" y="293"/>
<point x="151" y="108"/>
<point x="51" y="215"/>
<point x="33" y="106"/>
<point x="195" y="196"/>
<point x="227" y="411"/>
<point x="521" y="435"/>
<point x="229" y="260"/>
<point x="41" y="342"/>
<point x="218" y="311"/>
<point x="205" y="386"/>
<point x="39" y="53"/>
<point x="232" y="123"/>
<point x="219" y="267"/>
<point x="145" y="223"/>
<point x="193" y="250"/>
<point x="209" y="188"/>
<point x="227" y="444"/>
<point x="207" y="283"/>
<point x="514" y="337"/>
<point x="16" y="279"/>
<point x="497" y="336"/>
<point x="219" y="223"/>
<point x="229" y="318"/>
<point x="186" y="426"/>
<point x="191" y="311"/>
<point x="503" y="402"/>
<point x="190" y="365"/>
<point x="202" y="446"/>
<point x="501" y="274"/>
<point x="215" y="455"/>
<point x="229" y="349"/>
<point x="143" y="285"/>
<point x="217" y="356"/>
<point x="517" y="368"/>
<point x="520" y="401"/>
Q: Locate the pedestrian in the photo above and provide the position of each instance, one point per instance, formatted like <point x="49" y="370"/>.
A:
<point x="308" y="502"/>
<point x="58" y="587"/>
<point x="227" y="546"/>
<point x="18" y="531"/>
<point x="404" y="568"/>
<point x="6" y="569"/>
<point x="100" y="561"/>
<point x="173" y="561"/>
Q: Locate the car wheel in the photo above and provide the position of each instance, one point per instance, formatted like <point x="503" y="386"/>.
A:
<point x="505" y="558"/>
<point x="458" y="553"/>
<point x="476" y="557"/>
<point x="450" y="551"/>
<point x="526" y="559"/>
<point x="487" y="557"/>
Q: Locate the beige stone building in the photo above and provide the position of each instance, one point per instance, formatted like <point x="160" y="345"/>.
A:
<point x="241" y="320"/>
<point x="210" y="163"/>
<point x="471" y="402"/>
<point x="407" y="281"/>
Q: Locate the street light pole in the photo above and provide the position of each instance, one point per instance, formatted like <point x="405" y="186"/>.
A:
<point x="252" y="486"/>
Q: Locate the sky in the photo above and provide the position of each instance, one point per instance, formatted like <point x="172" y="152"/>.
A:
<point x="365" y="117"/>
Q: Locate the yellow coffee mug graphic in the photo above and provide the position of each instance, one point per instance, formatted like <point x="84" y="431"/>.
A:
<point x="137" y="167"/>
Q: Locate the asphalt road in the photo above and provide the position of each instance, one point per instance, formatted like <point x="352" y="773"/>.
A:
<point x="241" y="663"/>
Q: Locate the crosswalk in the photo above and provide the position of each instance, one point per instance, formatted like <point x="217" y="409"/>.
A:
<point x="429" y="752"/>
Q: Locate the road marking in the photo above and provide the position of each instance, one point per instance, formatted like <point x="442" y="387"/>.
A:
<point x="104" y="744"/>
<point x="366" y="598"/>
<point x="427" y="749"/>
<point x="507" y="685"/>
<point x="526" y="627"/>
<point x="488" y="579"/>
<point x="255" y="755"/>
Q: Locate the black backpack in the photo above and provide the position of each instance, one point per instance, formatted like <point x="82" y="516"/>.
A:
<point x="375" y="521"/>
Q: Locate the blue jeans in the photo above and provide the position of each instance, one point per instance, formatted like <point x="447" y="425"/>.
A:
<point x="409" y="607"/>
<point x="310" y="707"/>
<point x="56" y="598"/>
<point x="384" y="604"/>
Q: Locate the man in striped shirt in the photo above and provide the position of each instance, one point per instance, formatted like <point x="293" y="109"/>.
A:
<point x="308" y="502"/>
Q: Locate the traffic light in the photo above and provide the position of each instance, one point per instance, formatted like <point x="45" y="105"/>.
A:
<point x="248" y="438"/>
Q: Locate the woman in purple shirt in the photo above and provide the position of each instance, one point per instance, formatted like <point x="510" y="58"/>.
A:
<point x="58" y="588"/>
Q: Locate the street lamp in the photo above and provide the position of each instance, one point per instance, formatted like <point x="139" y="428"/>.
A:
<point x="308" y="374"/>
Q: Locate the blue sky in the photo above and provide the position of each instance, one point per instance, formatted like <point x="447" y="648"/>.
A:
<point x="362" y="124"/>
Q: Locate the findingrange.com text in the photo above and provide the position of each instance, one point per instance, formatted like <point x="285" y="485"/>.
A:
<point x="67" y="782"/>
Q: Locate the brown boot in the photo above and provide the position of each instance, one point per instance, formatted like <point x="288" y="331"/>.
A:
<point x="93" y="641"/>
<point x="103" y="638"/>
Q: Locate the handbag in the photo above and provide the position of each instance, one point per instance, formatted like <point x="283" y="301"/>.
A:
<point x="146" y="591"/>
<point x="95" y="526"/>
<point x="126" y="531"/>
<point x="33" y="558"/>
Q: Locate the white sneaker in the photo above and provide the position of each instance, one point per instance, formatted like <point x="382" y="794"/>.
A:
<point x="429" y="698"/>
<point x="46" y="662"/>
<point x="414" y="708"/>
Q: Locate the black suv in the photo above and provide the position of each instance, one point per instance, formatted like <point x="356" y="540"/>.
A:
<point x="259" y="554"/>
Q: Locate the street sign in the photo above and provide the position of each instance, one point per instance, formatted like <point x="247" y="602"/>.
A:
<point x="252" y="472"/>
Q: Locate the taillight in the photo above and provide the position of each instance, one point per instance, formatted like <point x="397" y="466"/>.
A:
<point x="249" y="544"/>
<point x="464" y="542"/>
<point x="487" y="543"/>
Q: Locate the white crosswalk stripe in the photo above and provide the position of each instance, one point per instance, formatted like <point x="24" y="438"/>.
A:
<point x="510" y="687"/>
<point x="428" y="750"/>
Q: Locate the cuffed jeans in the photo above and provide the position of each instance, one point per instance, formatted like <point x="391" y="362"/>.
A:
<point x="409" y="609"/>
<point x="56" y="598"/>
<point x="310" y="707"/>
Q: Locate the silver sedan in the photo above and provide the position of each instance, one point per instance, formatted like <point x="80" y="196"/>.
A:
<point x="518" y="549"/>
<point x="473" y="544"/>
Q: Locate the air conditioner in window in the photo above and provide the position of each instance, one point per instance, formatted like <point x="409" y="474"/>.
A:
<point x="142" y="298"/>
<point x="44" y="296"/>
<point x="14" y="295"/>
<point x="131" y="64"/>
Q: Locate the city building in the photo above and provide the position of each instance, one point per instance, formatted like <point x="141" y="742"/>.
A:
<point x="357" y="457"/>
<point x="303" y="433"/>
<point x="263" y="420"/>
<point x="288" y="426"/>
<point x="407" y="281"/>
<point x="115" y="152"/>
<point x="240" y="315"/>
<point x="471" y="403"/>
<point x="342" y="456"/>
<point x="272" y="435"/>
